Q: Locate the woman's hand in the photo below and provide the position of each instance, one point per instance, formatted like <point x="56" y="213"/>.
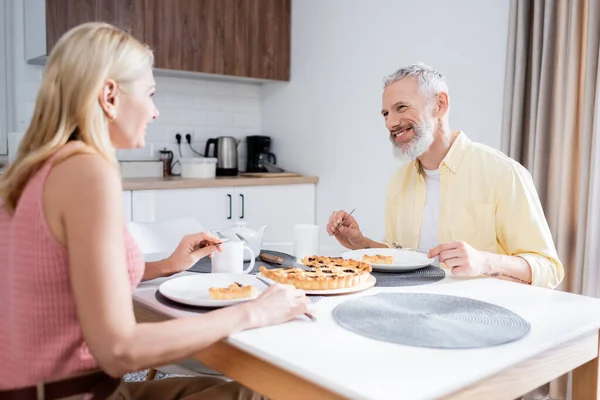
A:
<point x="192" y="249"/>
<point x="277" y="304"/>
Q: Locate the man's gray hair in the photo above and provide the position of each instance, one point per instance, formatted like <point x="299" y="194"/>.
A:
<point x="430" y="81"/>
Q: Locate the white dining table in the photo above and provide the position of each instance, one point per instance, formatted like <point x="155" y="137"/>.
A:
<point x="303" y="359"/>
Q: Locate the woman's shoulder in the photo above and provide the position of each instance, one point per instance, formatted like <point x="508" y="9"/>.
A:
<point x="83" y="170"/>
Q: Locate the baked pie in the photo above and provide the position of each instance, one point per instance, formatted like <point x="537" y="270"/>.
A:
<point x="378" y="259"/>
<point x="232" y="292"/>
<point x="321" y="273"/>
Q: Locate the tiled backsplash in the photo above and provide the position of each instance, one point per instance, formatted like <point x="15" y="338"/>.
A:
<point x="202" y="107"/>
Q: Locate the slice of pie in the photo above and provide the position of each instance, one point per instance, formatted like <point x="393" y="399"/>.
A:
<point x="378" y="259"/>
<point x="233" y="292"/>
<point x="321" y="273"/>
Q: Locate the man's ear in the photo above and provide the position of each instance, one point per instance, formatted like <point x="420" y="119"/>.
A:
<point x="108" y="99"/>
<point x="442" y="104"/>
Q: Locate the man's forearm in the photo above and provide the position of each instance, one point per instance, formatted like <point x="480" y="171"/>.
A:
<point x="156" y="269"/>
<point x="510" y="268"/>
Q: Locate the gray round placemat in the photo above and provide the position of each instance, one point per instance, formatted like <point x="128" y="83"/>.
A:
<point x="430" y="320"/>
<point x="422" y="276"/>
<point x="204" y="265"/>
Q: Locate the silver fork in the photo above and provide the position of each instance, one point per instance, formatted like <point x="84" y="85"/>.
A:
<point x="397" y="246"/>
<point x="221" y="236"/>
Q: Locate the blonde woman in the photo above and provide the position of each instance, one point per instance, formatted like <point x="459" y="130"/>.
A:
<point x="69" y="264"/>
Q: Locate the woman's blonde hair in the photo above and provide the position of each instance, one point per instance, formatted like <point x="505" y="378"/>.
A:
<point x="68" y="99"/>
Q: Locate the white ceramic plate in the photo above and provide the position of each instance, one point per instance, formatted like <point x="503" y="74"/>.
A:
<point x="193" y="289"/>
<point x="404" y="260"/>
<point x="369" y="283"/>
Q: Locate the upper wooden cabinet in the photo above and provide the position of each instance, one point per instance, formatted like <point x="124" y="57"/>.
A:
<point x="245" y="38"/>
<point x="62" y="15"/>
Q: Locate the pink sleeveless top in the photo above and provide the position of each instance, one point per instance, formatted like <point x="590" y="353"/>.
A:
<point x="40" y="335"/>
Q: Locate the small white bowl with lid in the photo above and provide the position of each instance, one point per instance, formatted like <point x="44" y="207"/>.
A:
<point x="198" y="167"/>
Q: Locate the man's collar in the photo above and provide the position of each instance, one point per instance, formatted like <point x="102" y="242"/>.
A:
<point x="457" y="151"/>
<point x="455" y="154"/>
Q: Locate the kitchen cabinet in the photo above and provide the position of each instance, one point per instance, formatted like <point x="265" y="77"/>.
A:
<point x="279" y="207"/>
<point x="127" y="204"/>
<point x="4" y="15"/>
<point x="47" y="20"/>
<point x="212" y="207"/>
<point x="249" y="38"/>
<point x="62" y="15"/>
<point x="242" y="38"/>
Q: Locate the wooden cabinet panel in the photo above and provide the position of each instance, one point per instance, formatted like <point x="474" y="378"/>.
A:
<point x="245" y="38"/>
<point x="235" y="40"/>
<point x="269" y="38"/>
<point x="62" y="15"/>
<point x="248" y="38"/>
<point x="257" y="38"/>
<point x="126" y="14"/>
<point x="185" y="34"/>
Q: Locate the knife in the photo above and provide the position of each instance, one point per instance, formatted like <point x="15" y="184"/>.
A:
<point x="271" y="258"/>
<point x="276" y="260"/>
<point x="309" y="315"/>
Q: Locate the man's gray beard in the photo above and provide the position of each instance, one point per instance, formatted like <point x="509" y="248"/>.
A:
<point x="419" y="144"/>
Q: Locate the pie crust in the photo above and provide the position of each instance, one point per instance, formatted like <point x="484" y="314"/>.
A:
<point x="321" y="273"/>
<point x="233" y="292"/>
<point x="378" y="259"/>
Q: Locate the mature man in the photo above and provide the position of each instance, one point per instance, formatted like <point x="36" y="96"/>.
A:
<point x="469" y="205"/>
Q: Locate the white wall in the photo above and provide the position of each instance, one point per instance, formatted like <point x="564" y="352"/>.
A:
<point x="327" y="122"/>
<point x="202" y="107"/>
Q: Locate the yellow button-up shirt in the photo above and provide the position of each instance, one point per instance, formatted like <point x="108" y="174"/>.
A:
<point x="487" y="200"/>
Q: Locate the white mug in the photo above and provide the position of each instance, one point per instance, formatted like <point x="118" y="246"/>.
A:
<point x="231" y="258"/>
<point x="306" y="240"/>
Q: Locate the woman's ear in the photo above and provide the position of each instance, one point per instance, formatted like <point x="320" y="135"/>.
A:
<point x="108" y="99"/>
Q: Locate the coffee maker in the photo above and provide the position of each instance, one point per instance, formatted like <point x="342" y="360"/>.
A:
<point x="258" y="153"/>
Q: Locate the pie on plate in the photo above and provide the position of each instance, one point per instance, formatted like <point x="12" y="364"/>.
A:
<point x="321" y="273"/>
<point x="404" y="259"/>
<point x="378" y="259"/>
<point x="233" y="292"/>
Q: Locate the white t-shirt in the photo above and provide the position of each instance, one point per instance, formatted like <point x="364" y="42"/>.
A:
<point x="428" y="237"/>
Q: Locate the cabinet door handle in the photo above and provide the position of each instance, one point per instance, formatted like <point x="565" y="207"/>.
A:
<point x="242" y="196"/>
<point x="229" y="217"/>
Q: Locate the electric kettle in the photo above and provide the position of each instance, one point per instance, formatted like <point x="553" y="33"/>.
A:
<point x="225" y="151"/>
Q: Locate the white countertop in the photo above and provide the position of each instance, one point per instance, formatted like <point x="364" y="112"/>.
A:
<point x="362" y="368"/>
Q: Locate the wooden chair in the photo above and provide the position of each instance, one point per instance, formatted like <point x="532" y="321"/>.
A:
<point x="158" y="240"/>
